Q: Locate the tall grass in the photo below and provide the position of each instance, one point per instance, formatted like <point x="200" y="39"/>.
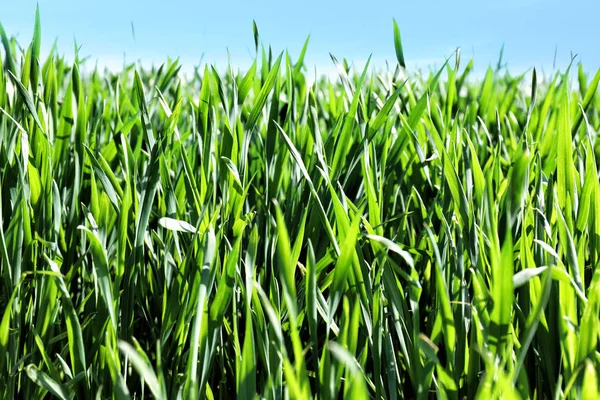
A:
<point x="385" y="235"/>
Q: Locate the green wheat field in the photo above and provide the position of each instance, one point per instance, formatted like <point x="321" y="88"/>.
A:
<point x="387" y="234"/>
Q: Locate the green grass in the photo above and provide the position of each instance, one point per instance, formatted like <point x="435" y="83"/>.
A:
<point x="387" y="235"/>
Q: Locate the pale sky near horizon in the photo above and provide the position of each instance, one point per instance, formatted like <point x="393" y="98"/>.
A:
<point x="530" y="30"/>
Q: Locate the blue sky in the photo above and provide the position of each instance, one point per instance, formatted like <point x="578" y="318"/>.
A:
<point x="530" y="30"/>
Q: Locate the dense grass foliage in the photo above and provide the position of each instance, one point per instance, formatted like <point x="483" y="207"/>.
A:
<point x="384" y="235"/>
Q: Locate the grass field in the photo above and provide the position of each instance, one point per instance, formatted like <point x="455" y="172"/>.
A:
<point x="384" y="235"/>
